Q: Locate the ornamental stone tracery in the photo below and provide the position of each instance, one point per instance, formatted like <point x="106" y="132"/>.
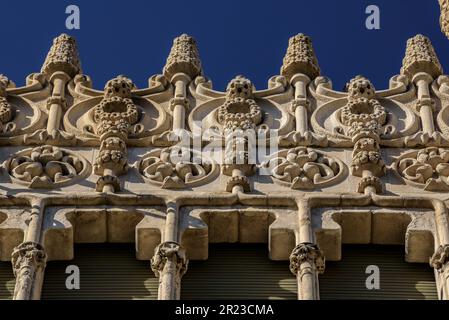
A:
<point x="178" y="164"/>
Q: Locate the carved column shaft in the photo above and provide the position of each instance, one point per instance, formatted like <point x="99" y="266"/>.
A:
<point x="169" y="264"/>
<point x="440" y="262"/>
<point x="61" y="64"/>
<point x="180" y="102"/>
<point x="57" y="101"/>
<point x="306" y="260"/>
<point x="425" y="103"/>
<point x="29" y="259"/>
<point x="300" y="104"/>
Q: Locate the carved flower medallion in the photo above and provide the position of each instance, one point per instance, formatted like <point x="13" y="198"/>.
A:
<point x="46" y="167"/>
<point x="427" y="168"/>
<point x="175" y="168"/>
<point x="304" y="168"/>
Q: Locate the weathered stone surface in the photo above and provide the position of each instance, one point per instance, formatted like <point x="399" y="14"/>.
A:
<point x="358" y="166"/>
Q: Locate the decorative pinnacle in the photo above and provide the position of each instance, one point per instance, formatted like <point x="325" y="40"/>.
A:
<point x="300" y="58"/>
<point x="63" y="57"/>
<point x="183" y="58"/>
<point x="419" y="57"/>
<point x="444" y="17"/>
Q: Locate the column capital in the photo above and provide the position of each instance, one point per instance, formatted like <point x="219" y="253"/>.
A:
<point x="306" y="252"/>
<point x="28" y="260"/>
<point x="169" y="250"/>
<point x="440" y="258"/>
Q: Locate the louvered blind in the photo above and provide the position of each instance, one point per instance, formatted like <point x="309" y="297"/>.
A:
<point x="238" y="272"/>
<point x="107" y="272"/>
<point x="398" y="279"/>
<point x="7" y="281"/>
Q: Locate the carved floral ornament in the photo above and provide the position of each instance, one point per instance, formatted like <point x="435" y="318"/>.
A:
<point x="46" y="167"/>
<point x="240" y="111"/>
<point x="304" y="168"/>
<point x="177" y="168"/>
<point x="427" y="168"/>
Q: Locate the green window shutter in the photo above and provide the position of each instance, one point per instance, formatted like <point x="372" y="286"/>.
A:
<point x="7" y="281"/>
<point x="238" y="272"/>
<point x="398" y="279"/>
<point x="107" y="271"/>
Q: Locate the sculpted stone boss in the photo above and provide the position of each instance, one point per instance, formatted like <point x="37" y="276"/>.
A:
<point x="74" y="157"/>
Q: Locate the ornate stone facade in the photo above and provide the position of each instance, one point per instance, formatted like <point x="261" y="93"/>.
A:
<point x="179" y="155"/>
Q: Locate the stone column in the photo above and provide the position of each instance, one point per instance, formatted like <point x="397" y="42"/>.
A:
<point x="421" y="66"/>
<point x="56" y="103"/>
<point x="440" y="262"/>
<point x="29" y="261"/>
<point x="183" y="65"/>
<point x="179" y="104"/>
<point x="29" y="258"/>
<point x="61" y="64"/>
<point x="425" y="105"/>
<point x="306" y="262"/>
<point x="169" y="264"/>
<point x="300" y="106"/>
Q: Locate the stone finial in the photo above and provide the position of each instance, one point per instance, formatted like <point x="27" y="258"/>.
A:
<point x="63" y="56"/>
<point x="360" y="87"/>
<point x="240" y="87"/>
<point x="444" y="17"/>
<point x="4" y="84"/>
<point x="183" y="58"/>
<point x="119" y="87"/>
<point x="240" y="110"/>
<point x="419" y="57"/>
<point x="300" y="58"/>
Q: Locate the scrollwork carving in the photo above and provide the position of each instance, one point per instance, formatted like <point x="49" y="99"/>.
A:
<point x="46" y="167"/>
<point x="176" y="168"/>
<point x="427" y="168"/>
<point x="304" y="168"/>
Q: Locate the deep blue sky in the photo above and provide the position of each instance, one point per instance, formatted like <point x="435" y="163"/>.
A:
<point x="235" y="37"/>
